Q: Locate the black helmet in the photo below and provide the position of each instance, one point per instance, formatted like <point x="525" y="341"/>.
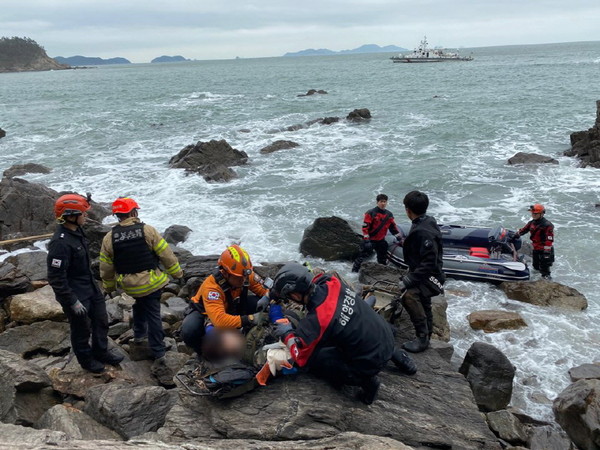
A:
<point x="292" y="277"/>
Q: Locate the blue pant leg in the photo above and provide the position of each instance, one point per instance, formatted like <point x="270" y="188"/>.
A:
<point x="192" y="330"/>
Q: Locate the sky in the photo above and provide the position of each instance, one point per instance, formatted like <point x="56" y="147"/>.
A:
<point x="141" y="30"/>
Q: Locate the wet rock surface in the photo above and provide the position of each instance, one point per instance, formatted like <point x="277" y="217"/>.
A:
<point x="278" y="145"/>
<point x="545" y="293"/>
<point x="210" y="159"/>
<point x="531" y="158"/>
<point x="492" y="321"/>
<point x="331" y="238"/>
<point x="585" y="145"/>
<point x="23" y="169"/>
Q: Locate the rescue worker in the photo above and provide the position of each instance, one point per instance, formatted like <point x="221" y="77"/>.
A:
<point x="377" y="222"/>
<point x="223" y="300"/>
<point x="425" y="279"/>
<point x="129" y="260"/>
<point x="72" y="281"/>
<point x="541" y="232"/>
<point x="341" y="339"/>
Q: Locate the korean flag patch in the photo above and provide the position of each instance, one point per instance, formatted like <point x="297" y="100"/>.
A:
<point x="56" y="263"/>
<point x="214" y="295"/>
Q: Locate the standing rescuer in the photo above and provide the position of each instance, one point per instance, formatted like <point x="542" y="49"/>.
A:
<point x="423" y="255"/>
<point x="129" y="260"/>
<point x="71" y="278"/>
<point x="377" y="222"/>
<point x="541" y="232"/>
<point x="223" y="299"/>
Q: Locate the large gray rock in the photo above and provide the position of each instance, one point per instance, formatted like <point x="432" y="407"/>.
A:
<point x="74" y="423"/>
<point x="577" y="410"/>
<point x="585" y="372"/>
<point x="39" y="337"/>
<point x="278" y="145"/>
<point x="359" y="115"/>
<point x="545" y="293"/>
<point x="176" y="234"/>
<point x="210" y="159"/>
<point x="128" y="409"/>
<point x="31" y="264"/>
<point x="2" y="133"/>
<point x="36" y="306"/>
<point x="200" y="266"/>
<point x="19" y="437"/>
<point x="12" y="280"/>
<point x="492" y="321"/>
<point x="388" y="276"/>
<point x="22" y="169"/>
<point x="434" y="408"/>
<point x="531" y="158"/>
<point x="332" y="239"/>
<point x="28" y="208"/>
<point x="490" y="374"/>
<point x="585" y="145"/>
<point x="507" y="427"/>
<point x="549" y="438"/>
<point x="24" y="391"/>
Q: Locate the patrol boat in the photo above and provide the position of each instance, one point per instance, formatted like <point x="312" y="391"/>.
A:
<point x="424" y="54"/>
<point x="473" y="253"/>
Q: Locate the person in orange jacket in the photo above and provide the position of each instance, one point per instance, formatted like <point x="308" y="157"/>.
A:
<point x="225" y="299"/>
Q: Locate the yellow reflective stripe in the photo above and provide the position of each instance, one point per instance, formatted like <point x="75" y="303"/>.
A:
<point x="234" y="254"/>
<point x="108" y="284"/>
<point x="173" y="269"/>
<point x="160" y="247"/>
<point x="105" y="258"/>
<point x="155" y="283"/>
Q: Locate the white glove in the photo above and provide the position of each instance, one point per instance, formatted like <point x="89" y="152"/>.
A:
<point x="277" y="358"/>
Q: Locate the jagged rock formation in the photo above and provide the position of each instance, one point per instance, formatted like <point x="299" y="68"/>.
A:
<point x="492" y="321"/>
<point x="545" y="293"/>
<point x="331" y="238"/>
<point x="531" y="158"/>
<point x="22" y="169"/>
<point x="210" y="159"/>
<point x="25" y="55"/>
<point x="585" y="145"/>
<point x="278" y="145"/>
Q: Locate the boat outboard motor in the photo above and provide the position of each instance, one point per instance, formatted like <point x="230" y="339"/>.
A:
<point x="503" y="240"/>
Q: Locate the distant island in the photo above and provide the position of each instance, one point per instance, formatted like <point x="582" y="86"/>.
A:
<point x="367" y="48"/>
<point x="25" y="55"/>
<point x="168" y="59"/>
<point x="79" y="60"/>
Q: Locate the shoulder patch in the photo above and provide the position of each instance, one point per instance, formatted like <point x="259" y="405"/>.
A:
<point x="56" y="263"/>
<point x="213" y="295"/>
<point x="428" y="243"/>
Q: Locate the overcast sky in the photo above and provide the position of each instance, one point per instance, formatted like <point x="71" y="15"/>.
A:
<point x="141" y="30"/>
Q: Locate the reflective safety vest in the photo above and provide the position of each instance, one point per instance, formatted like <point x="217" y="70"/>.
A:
<point x="131" y="252"/>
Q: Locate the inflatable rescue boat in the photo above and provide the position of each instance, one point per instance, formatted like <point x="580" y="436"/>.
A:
<point x="473" y="253"/>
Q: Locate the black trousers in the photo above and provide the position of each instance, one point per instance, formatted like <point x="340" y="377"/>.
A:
<point x="94" y="324"/>
<point x="332" y="365"/>
<point x="193" y="326"/>
<point x="380" y="248"/>
<point x="147" y="322"/>
<point x="543" y="261"/>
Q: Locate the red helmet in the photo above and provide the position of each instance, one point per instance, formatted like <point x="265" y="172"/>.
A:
<point x="71" y="205"/>
<point x="537" y="209"/>
<point x="236" y="261"/>
<point x="124" y="205"/>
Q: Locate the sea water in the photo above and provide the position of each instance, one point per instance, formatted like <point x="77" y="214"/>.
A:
<point x="447" y="129"/>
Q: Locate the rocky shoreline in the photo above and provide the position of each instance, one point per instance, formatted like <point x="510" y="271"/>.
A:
<point x="47" y="399"/>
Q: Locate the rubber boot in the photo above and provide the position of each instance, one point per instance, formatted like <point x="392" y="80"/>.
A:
<point x="370" y="388"/>
<point x="139" y="350"/>
<point x="417" y="345"/>
<point x="403" y="362"/>
<point x="92" y="365"/>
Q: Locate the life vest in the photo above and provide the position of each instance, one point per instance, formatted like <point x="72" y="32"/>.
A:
<point x="131" y="252"/>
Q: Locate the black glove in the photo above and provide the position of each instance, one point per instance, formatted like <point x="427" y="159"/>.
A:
<point x="283" y="328"/>
<point x="263" y="303"/>
<point x="78" y="309"/>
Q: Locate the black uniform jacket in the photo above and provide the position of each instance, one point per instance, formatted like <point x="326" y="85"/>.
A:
<point x="69" y="271"/>
<point x="423" y="254"/>
<point x="337" y="317"/>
